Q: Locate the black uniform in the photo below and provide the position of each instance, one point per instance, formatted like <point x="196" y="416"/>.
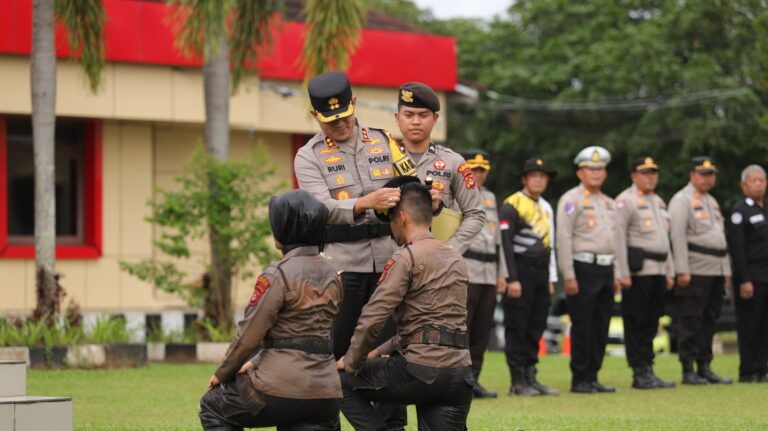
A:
<point x="747" y="231"/>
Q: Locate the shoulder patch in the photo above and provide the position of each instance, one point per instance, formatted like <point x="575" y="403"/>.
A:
<point x="737" y="218"/>
<point x="504" y="224"/>
<point x="385" y="271"/>
<point x="570" y="208"/>
<point x="262" y="284"/>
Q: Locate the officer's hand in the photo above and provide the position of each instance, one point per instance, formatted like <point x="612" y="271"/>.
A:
<point x="501" y="285"/>
<point x="617" y="286"/>
<point x="626" y="282"/>
<point x="746" y="290"/>
<point x="382" y="199"/>
<point x="375" y="353"/>
<point x="571" y="286"/>
<point x="514" y="290"/>
<point x="670" y="283"/>
<point x="683" y="280"/>
<point x="246" y="367"/>
<point x="551" y="288"/>
<point x="213" y="382"/>
<point x="435" y="199"/>
<point x="340" y="364"/>
<point x="727" y="282"/>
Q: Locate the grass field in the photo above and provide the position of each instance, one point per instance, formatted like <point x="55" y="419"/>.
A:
<point x="165" y="397"/>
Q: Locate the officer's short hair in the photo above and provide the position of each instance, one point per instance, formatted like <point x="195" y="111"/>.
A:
<point x="417" y="202"/>
<point x="752" y="168"/>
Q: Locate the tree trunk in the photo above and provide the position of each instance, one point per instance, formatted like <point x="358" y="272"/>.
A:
<point x="43" y="74"/>
<point x="216" y="82"/>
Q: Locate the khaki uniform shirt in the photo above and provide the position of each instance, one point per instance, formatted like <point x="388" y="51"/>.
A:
<point x="696" y="219"/>
<point x="488" y="241"/>
<point x="430" y="289"/>
<point x="584" y="224"/>
<point x="455" y="181"/>
<point x="642" y="221"/>
<point x="295" y="297"/>
<point x="338" y="173"/>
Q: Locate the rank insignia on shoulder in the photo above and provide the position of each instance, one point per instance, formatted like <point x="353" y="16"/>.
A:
<point x="385" y="271"/>
<point x="262" y="284"/>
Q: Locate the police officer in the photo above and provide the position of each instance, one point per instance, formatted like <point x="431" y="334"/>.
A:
<point x="527" y="231"/>
<point x="292" y="381"/>
<point x="417" y="113"/>
<point x="425" y="286"/>
<point x="345" y="167"/>
<point x="644" y="268"/>
<point x="585" y="251"/>
<point x="702" y="268"/>
<point x="747" y="230"/>
<point x="487" y="271"/>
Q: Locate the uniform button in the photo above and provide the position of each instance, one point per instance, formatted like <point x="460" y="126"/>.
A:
<point x="421" y="267"/>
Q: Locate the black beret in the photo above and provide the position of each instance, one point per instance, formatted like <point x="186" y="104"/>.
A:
<point x="331" y="96"/>
<point x="418" y="95"/>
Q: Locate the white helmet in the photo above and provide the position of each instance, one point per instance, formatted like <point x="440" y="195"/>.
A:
<point x="592" y="157"/>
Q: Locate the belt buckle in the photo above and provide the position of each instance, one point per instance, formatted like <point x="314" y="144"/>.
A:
<point x="604" y="259"/>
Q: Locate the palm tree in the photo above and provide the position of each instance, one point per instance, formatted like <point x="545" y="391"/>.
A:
<point x="201" y="29"/>
<point x="333" y="34"/>
<point x="84" y="20"/>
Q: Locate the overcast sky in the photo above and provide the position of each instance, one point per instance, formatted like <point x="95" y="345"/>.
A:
<point x="466" y="9"/>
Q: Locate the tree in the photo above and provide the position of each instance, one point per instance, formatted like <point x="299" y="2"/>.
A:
<point x="333" y="34"/>
<point x="234" y="208"/>
<point x="224" y="33"/>
<point x="84" y="21"/>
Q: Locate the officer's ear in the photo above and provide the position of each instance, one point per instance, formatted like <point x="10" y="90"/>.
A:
<point x="354" y="101"/>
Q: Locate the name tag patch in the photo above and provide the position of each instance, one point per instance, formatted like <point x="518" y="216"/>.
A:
<point x="756" y="218"/>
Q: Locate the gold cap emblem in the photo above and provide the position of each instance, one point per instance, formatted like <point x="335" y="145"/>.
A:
<point x="707" y="163"/>
<point x="406" y="96"/>
<point x="595" y="156"/>
<point x="333" y="103"/>
<point x="648" y="161"/>
<point x="539" y="162"/>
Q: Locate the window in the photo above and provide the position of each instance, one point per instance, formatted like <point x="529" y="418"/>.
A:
<point x="77" y="188"/>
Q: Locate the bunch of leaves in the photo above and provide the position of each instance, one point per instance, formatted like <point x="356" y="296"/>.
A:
<point x="215" y="333"/>
<point x="109" y="330"/>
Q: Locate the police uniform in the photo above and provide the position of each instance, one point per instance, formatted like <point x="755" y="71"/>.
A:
<point x="425" y="286"/>
<point x="643" y="254"/>
<point x="338" y="173"/>
<point x="700" y="249"/>
<point x="486" y="263"/>
<point x="585" y="252"/>
<point x="451" y="175"/>
<point x="527" y="231"/>
<point x="287" y="324"/>
<point x="747" y="230"/>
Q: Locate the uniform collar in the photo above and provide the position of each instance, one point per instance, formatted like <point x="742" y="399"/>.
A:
<point x="637" y="191"/>
<point x="421" y="236"/>
<point x="692" y="190"/>
<point x="587" y="192"/>
<point x="749" y="201"/>
<point x="302" y="250"/>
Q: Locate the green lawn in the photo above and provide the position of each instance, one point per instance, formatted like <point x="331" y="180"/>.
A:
<point x="165" y="397"/>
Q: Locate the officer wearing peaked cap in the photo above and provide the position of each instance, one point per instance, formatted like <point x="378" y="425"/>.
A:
<point x="703" y="269"/>
<point x="644" y="268"/>
<point x="453" y="180"/>
<point x="487" y="271"/>
<point x="585" y="250"/>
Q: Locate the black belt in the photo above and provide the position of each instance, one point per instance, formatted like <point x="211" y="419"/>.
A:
<point x="706" y="250"/>
<point x="349" y="233"/>
<point x="441" y="336"/>
<point x="534" y="261"/>
<point x="659" y="257"/>
<point x="318" y="345"/>
<point x="482" y="257"/>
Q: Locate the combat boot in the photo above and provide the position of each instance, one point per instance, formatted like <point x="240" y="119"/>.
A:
<point x="710" y="376"/>
<point x="689" y="376"/>
<point x="664" y="384"/>
<point x="642" y="379"/>
<point x="530" y="377"/>
<point x="520" y="384"/>
<point x="478" y="391"/>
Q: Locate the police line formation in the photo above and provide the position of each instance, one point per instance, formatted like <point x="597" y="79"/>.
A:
<point x="397" y="309"/>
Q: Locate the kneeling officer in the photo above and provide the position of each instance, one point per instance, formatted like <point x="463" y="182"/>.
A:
<point x="292" y="380"/>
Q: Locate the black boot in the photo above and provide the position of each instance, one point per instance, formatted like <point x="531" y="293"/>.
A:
<point x="530" y="376"/>
<point x="478" y="391"/>
<point x="642" y="379"/>
<point x="689" y="376"/>
<point x="710" y="376"/>
<point x="520" y="384"/>
<point x="664" y="384"/>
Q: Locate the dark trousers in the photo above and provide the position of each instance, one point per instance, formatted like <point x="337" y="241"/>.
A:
<point x="358" y="288"/>
<point x="481" y="302"/>
<point x="699" y="307"/>
<point x="442" y="396"/>
<point x="525" y="318"/>
<point x="752" y="316"/>
<point x="237" y="405"/>
<point x="641" y="307"/>
<point x="590" y="312"/>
